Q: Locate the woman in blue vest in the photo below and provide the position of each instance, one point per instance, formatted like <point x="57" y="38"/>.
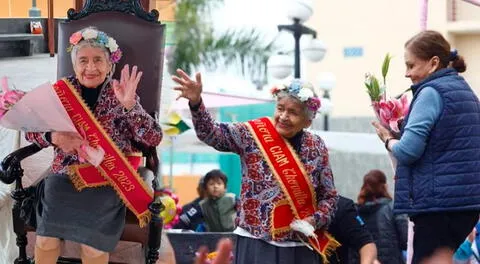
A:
<point x="438" y="152"/>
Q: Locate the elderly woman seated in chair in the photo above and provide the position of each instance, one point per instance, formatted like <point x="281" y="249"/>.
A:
<point x="88" y="212"/>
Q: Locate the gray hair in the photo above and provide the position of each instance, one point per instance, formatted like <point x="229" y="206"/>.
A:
<point x="92" y="43"/>
<point x="88" y="43"/>
<point x="307" y="112"/>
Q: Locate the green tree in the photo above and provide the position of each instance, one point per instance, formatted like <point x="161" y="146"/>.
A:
<point x="197" y="44"/>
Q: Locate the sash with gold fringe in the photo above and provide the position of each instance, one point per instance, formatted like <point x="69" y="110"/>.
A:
<point x="116" y="169"/>
<point x="287" y="168"/>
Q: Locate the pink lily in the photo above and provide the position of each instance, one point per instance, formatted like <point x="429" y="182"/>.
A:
<point x="9" y="97"/>
<point x="393" y="110"/>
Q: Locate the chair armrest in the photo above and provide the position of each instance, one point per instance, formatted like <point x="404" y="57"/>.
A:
<point x="11" y="164"/>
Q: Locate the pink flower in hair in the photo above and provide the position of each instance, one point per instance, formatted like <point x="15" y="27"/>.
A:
<point x="75" y="38"/>
<point x="115" y="56"/>
<point x="314" y="104"/>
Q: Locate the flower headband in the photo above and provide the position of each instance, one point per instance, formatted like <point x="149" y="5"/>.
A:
<point x="100" y="38"/>
<point x="303" y="91"/>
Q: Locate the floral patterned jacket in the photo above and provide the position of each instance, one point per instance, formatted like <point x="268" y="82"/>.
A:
<point x="260" y="190"/>
<point x="124" y="128"/>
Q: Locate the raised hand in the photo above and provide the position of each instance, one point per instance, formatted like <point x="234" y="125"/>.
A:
<point x="126" y="89"/>
<point x="188" y="88"/>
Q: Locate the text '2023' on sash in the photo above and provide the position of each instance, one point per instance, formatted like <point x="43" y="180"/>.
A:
<point x="115" y="168"/>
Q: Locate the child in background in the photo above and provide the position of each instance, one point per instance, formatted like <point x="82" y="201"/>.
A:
<point x="191" y="217"/>
<point x="219" y="207"/>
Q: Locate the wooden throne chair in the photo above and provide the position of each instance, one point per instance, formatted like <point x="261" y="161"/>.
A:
<point x="141" y="37"/>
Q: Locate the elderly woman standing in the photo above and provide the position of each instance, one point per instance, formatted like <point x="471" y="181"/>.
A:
<point x="286" y="174"/>
<point x="438" y="172"/>
<point x="93" y="217"/>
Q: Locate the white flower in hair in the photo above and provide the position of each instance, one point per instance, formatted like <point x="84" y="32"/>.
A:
<point x="89" y="34"/>
<point x="307" y="85"/>
<point x="112" y="45"/>
<point x="304" y="94"/>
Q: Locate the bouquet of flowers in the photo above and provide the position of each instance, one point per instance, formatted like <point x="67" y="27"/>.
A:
<point x="9" y="97"/>
<point x="390" y="112"/>
<point x="39" y="110"/>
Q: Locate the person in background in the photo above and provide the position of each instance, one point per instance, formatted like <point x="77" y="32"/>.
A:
<point x="218" y="207"/>
<point x="191" y="217"/>
<point x="264" y="234"/>
<point x="349" y="230"/>
<point x="375" y="206"/>
<point x="95" y="216"/>
<point x="438" y="172"/>
<point x="469" y="250"/>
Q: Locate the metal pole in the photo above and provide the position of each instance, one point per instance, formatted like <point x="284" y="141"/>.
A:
<point x="170" y="178"/>
<point x="326" y="95"/>
<point x="297" y="34"/>
<point x="51" y="29"/>
<point x="34" y="11"/>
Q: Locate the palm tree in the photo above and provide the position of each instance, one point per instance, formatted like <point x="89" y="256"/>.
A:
<point x="198" y="45"/>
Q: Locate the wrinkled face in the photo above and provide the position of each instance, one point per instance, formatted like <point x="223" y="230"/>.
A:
<point x="290" y="117"/>
<point x="91" y="66"/>
<point x="215" y="188"/>
<point x="418" y="69"/>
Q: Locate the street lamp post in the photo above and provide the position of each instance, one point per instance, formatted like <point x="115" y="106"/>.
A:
<point x="34" y="11"/>
<point x="280" y="65"/>
<point x="314" y="50"/>
<point x="326" y="95"/>
<point x="297" y="29"/>
<point x="326" y="82"/>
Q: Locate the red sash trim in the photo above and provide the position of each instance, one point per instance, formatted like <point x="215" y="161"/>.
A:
<point x="115" y="168"/>
<point x="291" y="175"/>
<point x="86" y="175"/>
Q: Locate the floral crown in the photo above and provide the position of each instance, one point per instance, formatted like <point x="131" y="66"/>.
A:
<point x="99" y="37"/>
<point x="303" y="91"/>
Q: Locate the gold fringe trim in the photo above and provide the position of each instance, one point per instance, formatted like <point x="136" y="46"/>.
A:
<point x="144" y="217"/>
<point x="134" y="154"/>
<point x="274" y="172"/>
<point x="330" y="248"/>
<point x="78" y="182"/>
<point x="332" y="244"/>
<point x="107" y="137"/>
<point x="304" y="172"/>
<point x="282" y="230"/>
<point x="75" y="179"/>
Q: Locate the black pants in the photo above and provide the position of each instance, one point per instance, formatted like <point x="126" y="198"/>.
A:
<point x="445" y="230"/>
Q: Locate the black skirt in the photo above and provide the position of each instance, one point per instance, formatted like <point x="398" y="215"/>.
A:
<point x="256" y="251"/>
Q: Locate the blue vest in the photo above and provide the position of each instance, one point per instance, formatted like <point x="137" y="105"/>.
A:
<point x="447" y="175"/>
